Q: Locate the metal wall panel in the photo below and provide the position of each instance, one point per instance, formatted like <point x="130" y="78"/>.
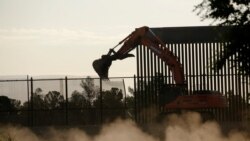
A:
<point x="197" y="49"/>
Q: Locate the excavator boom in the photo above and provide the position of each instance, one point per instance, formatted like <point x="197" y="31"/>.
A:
<point x="141" y="36"/>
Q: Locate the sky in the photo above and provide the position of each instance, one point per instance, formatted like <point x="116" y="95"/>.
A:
<point x="64" y="37"/>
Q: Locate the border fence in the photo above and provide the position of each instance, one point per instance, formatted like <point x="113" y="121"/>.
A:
<point x="197" y="48"/>
<point x="64" y="101"/>
<point x="89" y="101"/>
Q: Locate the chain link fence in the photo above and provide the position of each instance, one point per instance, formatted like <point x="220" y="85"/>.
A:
<point x="65" y="101"/>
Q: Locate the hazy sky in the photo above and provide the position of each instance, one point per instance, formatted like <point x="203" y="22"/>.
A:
<point x="63" y="37"/>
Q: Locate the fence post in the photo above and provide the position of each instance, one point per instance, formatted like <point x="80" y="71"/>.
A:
<point x="135" y="99"/>
<point x="101" y="102"/>
<point x="28" y="96"/>
<point x="32" y="102"/>
<point x="66" y="104"/>
<point x="125" y="99"/>
<point x="28" y="89"/>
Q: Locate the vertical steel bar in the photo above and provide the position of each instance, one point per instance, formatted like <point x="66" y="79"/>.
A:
<point x="210" y="64"/>
<point x="28" y="96"/>
<point x="66" y="106"/>
<point x="201" y="66"/>
<point x="226" y="80"/>
<point x="125" y="98"/>
<point x="214" y="59"/>
<point x="207" y="67"/>
<point x="221" y="80"/>
<point x="248" y="94"/>
<point x="219" y="74"/>
<point x="158" y="81"/>
<point x="101" y="102"/>
<point x="32" y="102"/>
<point x="170" y="73"/>
<point x="222" y="74"/>
<point x="196" y="62"/>
<point x="245" y="91"/>
<point x="193" y="67"/>
<point x="161" y="67"/>
<point x="138" y="85"/>
<point x="148" y="84"/>
<point x="231" y="89"/>
<point x="144" y="74"/>
<point x="189" y="67"/>
<point x="142" y="84"/>
<point x="152" y="73"/>
<point x="141" y="97"/>
<point x="155" y="82"/>
<point x="135" y="95"/>
<point x="28" y="89"/>
<point x="166" y="71"/>
<point x="182" y="55"/>
<point x="237" y="84"/>
<point x="187" y="64"/>
<point x="225" y="72"/>
<point x="214" y="75"/>
<point x="175" y="53"/>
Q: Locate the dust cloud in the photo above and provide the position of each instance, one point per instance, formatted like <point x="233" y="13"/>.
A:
<point x="185" y="127"/>
<point x="189" y="127"/>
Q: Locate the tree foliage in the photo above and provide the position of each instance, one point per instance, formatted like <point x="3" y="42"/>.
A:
<point x="54" y="100"/>
<point x="78" y="100"/>
<point x="226" y="12"/>
<point x="89" y="88"/>
<point x="8" y="104"/>
<point x="38" y="99"/>
<point x="112" y="104"/>
<point x="234" y="13"/>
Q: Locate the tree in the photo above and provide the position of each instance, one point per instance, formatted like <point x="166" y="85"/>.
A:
<point x="79" y="109"/>
<point x="112" y="104"/>
<point x="226" y="12"/>
<point x="233" y="13"/>
<point x="89" y="88"/>
<point x="54" y="100"/>
<point x="110" y="99"/>
<point x="38" y="102"/>
<point x="9" y="105"/>
<point x="77" y="100"/>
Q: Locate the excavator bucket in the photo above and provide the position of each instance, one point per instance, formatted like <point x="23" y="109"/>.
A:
<point x="101" y="66"/>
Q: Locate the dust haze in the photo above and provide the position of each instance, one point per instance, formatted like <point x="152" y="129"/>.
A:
<point x="185" y="127"/>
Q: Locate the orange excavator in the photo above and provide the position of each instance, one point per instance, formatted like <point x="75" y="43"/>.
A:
<point x="146" y="37"/>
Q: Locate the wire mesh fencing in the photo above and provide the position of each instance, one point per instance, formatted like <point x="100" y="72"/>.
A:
<point x="65" y="101"/>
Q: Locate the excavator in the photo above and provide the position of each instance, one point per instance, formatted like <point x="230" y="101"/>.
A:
<point x="146" y="37"/>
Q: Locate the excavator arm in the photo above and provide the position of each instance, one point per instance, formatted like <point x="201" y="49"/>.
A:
<point x="141" y="36"/>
